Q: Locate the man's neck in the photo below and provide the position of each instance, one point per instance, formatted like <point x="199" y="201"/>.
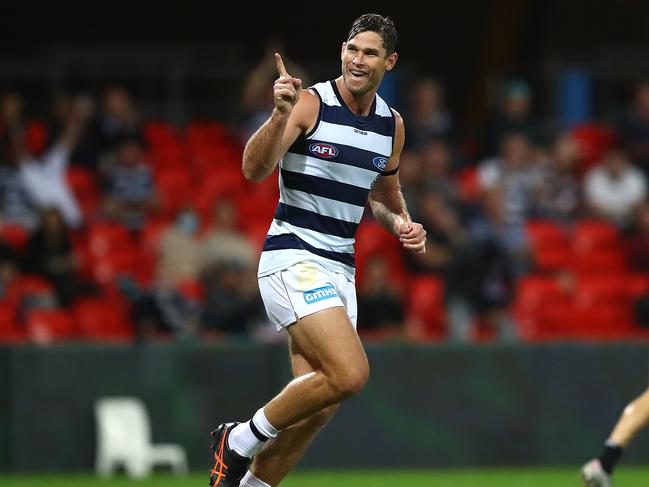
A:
<point x="360" y="105"/>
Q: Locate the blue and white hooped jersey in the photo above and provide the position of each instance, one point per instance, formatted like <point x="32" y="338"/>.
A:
<point x="324" y="181"/>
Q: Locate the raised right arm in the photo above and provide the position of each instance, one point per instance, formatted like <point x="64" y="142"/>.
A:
<point x="295" y="113"/>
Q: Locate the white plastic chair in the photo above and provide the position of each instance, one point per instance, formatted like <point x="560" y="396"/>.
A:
<point x="124" y="439"/>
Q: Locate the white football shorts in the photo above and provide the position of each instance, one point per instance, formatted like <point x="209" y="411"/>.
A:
<point x="303" y="289"/>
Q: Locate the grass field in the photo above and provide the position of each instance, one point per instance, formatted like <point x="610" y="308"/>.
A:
<point x="625" y="477"/>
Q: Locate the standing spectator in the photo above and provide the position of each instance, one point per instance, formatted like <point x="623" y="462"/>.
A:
<point x="634" y="129"/>
<point x="614" y="188"/>
<point x="44" y="177"/>
<point x="130" y="194"/>
<point x="427" y="117"/>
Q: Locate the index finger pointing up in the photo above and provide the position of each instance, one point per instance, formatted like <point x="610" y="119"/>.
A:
<point x="281" y="69"/>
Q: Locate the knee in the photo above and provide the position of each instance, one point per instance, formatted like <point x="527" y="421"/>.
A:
<point x="350" y="381"/>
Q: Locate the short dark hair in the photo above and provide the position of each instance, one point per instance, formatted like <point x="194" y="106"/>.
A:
<point x="384" y="26"/>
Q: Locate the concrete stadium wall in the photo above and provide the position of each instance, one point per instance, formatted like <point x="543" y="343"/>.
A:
<point x="424" y="406"/>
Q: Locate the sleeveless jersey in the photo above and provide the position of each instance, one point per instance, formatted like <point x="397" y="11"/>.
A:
<point x="324" y="181"/>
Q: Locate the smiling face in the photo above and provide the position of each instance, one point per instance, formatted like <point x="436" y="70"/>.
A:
<point x="364" y="62"/>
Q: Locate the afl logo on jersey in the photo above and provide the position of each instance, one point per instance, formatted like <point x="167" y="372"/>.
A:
<point x="323" y="150"/>
<point x="380" y="163"/>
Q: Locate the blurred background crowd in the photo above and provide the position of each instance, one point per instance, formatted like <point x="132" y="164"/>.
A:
<point x="119" y="221"/>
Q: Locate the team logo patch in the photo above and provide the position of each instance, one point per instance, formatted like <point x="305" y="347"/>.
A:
<point x="320" y="293"/>
<point x="380" y="162"/>
<point x="323" y="150"/>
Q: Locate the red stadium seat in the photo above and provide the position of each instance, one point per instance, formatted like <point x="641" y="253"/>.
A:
<point x="549" y="245"/>
<point x="425" y="315"/>
<point x="45" y="326"/>
<point x="84" y="186"/>
<point x="101" y="319"/>
<point x="14" y="235"/>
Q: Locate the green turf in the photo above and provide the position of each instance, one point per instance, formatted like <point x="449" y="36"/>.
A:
<point x="625" y="477"/>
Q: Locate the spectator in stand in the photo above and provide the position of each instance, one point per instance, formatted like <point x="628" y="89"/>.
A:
<point x="44" y="176"/>
<point x="257" y="95"/>
<point x="165" y="308"/>
<point x="232" y="301"/>
<point x="560" y="193"/>
<point x="118" y="120"/>
<point x="16" y="204"/>
<point x="8" y="266"/>
<point x="634" y="129"/>
<point x="518" y="179"/>
<point x="437" y="166"/>
<point x="444" y="235"/>
<point x="224" y="243"/>
<point x="49" y="253"/>
<point x="480" y="279"/>
<point x="427" y="117"/>
<point x="513" y="114"/>
<point x="130" y="195"/>
<point x="614" y="188"/>
<point x="411" y="178"/>
<point x="380" y="309"/>
<point x="638" y="239"/>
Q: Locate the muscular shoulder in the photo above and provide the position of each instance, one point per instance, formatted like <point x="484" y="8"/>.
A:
<point x="399" y="130"/>
<point x="305" y="112"/>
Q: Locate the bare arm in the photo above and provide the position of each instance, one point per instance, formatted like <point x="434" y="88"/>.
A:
<point x="294" y="113"/>
<point x="388" y="205"/>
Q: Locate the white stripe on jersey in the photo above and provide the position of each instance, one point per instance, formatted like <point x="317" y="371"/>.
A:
<point x="323" y="206"/>
<point x="316" y="239"/>
<point x="327" y="94"/>
<point x="335" y="171"/>
<point x="344" y="134"/>
<point x="382" y="108"/>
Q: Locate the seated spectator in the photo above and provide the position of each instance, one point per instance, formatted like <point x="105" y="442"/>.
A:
<point x="165" y="307"/>
<point x="8" y="267"/>
<point x="560" y="194"/>
<point x="513" y="114"/>
<point x="178" y="250"/>
<point x="427" y="117"/>
<point x="380" y="309"/>
<point x="130" y="195"/>
<point x="44" y="176"/>
<point x="224" y="243"/>
<point x="444" y="234"/>
<point x="517" y="176"/>
<point x="479" y="281"/>
<point x="411" y="178"/>
<point x="437" y="167"/>
<point x="638" y="239"/>
<point x="49" y="253"/>
<point x="634" y="129"/>
<point x="228" y="258"/>
<point x="614" y="188"/>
